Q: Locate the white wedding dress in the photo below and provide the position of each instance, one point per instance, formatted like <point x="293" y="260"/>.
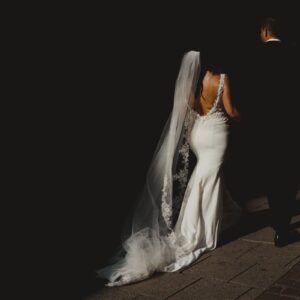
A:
<point x="154" y="243"/>
<point x="200" y="216"/>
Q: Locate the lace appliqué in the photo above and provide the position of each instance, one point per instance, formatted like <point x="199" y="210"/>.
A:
<point x="171" y="207"/>
<point x="181" y="177"/>
<point x="219" y="115"/>
<point x="165" y="206"/>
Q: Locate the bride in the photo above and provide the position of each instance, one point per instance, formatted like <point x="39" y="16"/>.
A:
<point x="179" y="216"/>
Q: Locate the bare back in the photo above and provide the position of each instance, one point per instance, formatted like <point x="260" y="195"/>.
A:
<point x="207" y="97"/>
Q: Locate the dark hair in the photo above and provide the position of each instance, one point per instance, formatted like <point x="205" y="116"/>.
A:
<point x="272" y="25"/>
<point x="210" y="60"/>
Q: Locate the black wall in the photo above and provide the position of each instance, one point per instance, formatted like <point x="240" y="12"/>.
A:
<point x="118" y="70"/>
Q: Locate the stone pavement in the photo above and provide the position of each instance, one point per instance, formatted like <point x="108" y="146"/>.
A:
<point x="246" y="265"/>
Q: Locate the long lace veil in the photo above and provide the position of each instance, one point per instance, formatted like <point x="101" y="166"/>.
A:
<point x="148" y="246"/>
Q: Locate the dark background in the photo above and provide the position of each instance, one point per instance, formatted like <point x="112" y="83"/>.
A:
<point x="117" y="68"/>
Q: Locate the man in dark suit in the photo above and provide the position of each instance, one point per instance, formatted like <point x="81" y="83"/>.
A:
<point x="275" y="127"/>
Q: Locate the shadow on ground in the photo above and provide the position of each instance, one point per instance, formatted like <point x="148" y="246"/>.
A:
<point x="254" y="221"/>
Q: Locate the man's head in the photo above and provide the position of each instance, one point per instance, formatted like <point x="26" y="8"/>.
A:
<point x="269" y="29"/>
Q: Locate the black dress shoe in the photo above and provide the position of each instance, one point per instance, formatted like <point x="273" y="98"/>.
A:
<point x="281" y="239"/>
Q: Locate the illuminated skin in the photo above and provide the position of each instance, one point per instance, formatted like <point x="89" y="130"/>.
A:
<point x="209" y="93"/>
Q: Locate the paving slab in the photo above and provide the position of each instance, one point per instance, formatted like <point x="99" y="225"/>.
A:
<point x="210" y="289"/>
<point x="261" y="276"/>
<point x="251" y="293"/>
<point x="235" y="249"/>
<point x="265" y="254"/>
<point x="288" y="286"/>
<point x="217" y="267"/>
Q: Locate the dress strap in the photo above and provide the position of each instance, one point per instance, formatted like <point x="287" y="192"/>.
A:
<point x="221" y="87"/>
<point x="219" y="95"/>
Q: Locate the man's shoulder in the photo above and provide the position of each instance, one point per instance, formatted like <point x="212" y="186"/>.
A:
<point x="275" y="48"/>
<point x="274" y="45"/>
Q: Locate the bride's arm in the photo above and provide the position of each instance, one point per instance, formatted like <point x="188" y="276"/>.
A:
<point x="229" y="108"/>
